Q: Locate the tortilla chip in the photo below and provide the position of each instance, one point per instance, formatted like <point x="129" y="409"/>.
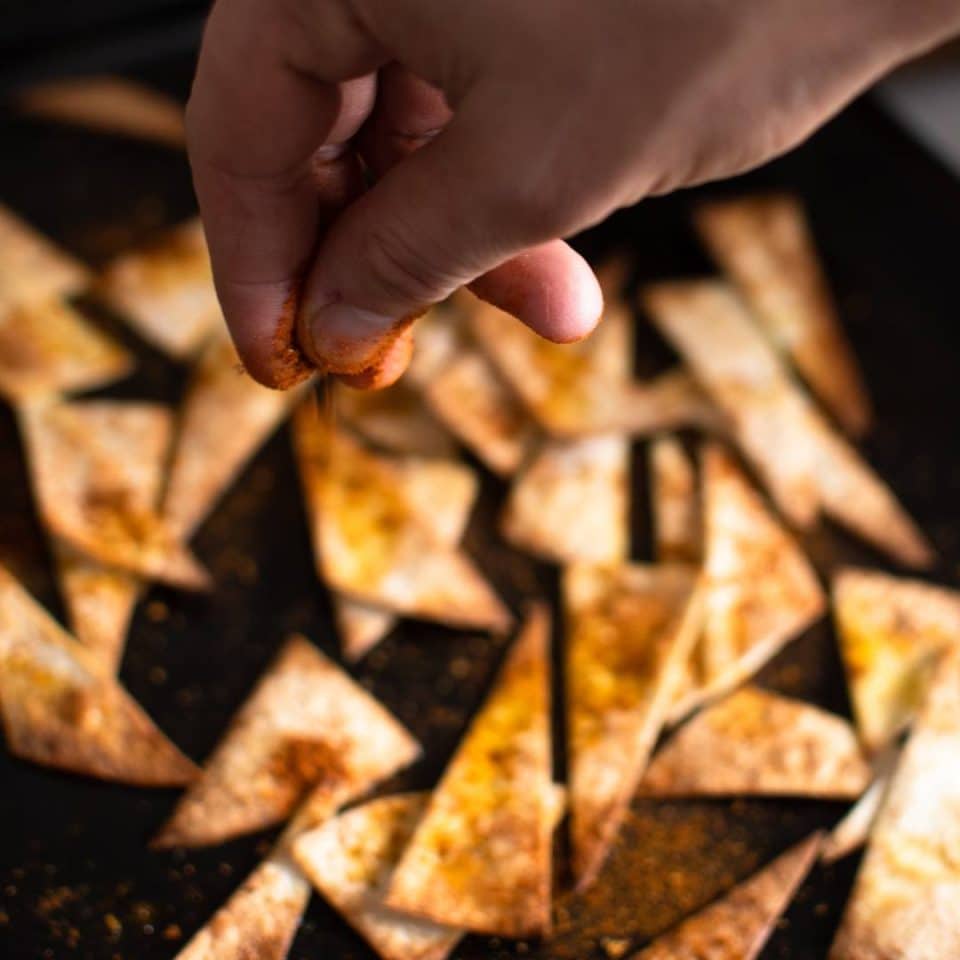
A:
<point x="226" y="417"/>
<point x="61" y="709"/>
<point x="890" y="631"/>
<point x="675" y="502"/>
<point x="739" y="924"/>
<point x="306" y="725"/>
<point x="807" y="466"/>
<point x="110" y="104"/>
<point x="571" y="502"/>
<point x="765" y="245"/>
<point x="360" y="626"/>
<point x="440" y="336"/>
<point x="756" y="743"/>
<point x="373" y="539"/>
<point x="904" y="900"/>
<point x="760" y="589"/>
<point x="85" y="493"/>
<point x="166" y="291"/>
<point x="480" y="858"/>
<point x="32" y="269"/>
<point x="630" y="630"/>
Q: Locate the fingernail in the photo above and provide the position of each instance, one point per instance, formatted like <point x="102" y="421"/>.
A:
<point x="344" y="339"/>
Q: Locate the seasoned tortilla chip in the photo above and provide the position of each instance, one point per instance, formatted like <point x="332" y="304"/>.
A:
<point x="571" y="502"/>
<point x="904" y="900"/>
<point x="32" y="269"/>
<point x="760" y="589"/>
<point x="738" y="925"/>
<point x="807" y="466"/>
<point x="83" y="488"/>
<point x="764" y="243"/>
<point x="372" y="540"/>
<point x="630" y="630"/>
<point x="360" y="626"/>
<point x="226" y="417"/>
<point x="307" y="725"/>
<point x="110" y="104"/>
<point x="439" y="337"/>
<point x="166" y="291"/>
<point x="480" y="858"/>
<point x="756" y="743"/>
<point x="890" y="631"/>
<point x="61" y="709"/>
<point x="675" y="502"/>
<point x="47" y="347"/>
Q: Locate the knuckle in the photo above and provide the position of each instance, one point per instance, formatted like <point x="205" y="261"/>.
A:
<point x="404" y="271"/>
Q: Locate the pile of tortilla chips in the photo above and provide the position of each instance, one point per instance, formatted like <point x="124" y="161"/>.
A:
<point x="750" y="442"/>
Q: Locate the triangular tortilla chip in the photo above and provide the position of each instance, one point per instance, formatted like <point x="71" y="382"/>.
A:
<point x="738" y="925"/>
<point x="630" y="628"/>
<point x="307" y="725"/>
<point x="760" y="589"/>
<point x="675" y="502"/>
<point x="32" y="269"/>
<point x="61" y="709"/>
<point x="83" y="491"/>
<point x="890" y="631"/>
<point x="47" y="347"/>
<point x="111" y="104"/>
<point x="360" y="626"/>
<point x="481" y="857"/>
<point x="764" y="243"/>
<point x="905" y="898"/>
<point x="571" y="502"/>
<point x="440" y="337"/>
<point x="166" y="291"/>
<point x="225" y="419"/>
<point x="372" y="540"/>
<point x="807" y="466"/>
<point x="100" y="600"/>
<point x="756" y="743"/>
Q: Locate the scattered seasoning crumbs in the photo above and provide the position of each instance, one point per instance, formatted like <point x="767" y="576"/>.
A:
<point x="157" y="611"/>
<point x="113" y="925"/>
<point x="157" y="676"/>
<point x="172" y="931"/>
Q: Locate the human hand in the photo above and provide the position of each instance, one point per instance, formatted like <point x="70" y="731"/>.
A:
<point x="507" y="125"/>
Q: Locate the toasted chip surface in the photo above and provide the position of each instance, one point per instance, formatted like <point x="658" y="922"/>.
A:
<point x="630" y="630"/>
<point x="480" y="858"/>
<point x="675" y="502"/>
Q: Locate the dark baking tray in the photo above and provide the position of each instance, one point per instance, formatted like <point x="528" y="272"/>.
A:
<point x="76" y="879"/>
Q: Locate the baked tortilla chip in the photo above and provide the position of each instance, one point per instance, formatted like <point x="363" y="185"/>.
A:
<point x="760" y="589"/>
<point x="306" y="726"/>
<point x="675" y="502"/>
<point x="890" y="632"/>
<point x="110" y="104"/>
<point x="756" y="743"/>
<point x="807" y="466"/>
<point x="360" y="626"/>
<point x="83" y="490"/>
<point x="630" y="630"/>
<point x="61" y="709"/>
<point x="904" y="900"/>
<point x="226" y="417"/>
<point x="480" y="859"/>
<point x="571" y="502"/>
<point x="371" y="537"/>
<point x="739" y="924"/>
<point x="166" y="291"/>
<point x="765" y="245"/>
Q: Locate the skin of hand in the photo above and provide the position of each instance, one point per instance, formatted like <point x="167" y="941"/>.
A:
<point x="358" y="160"/>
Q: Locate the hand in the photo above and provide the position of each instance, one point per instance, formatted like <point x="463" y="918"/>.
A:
<point x="509" y="124"/>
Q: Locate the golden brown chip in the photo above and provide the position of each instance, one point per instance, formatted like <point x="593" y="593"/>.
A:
<point x="571" y="502"/>
<point x="764" y="243"/>
<point x="738" y="925"/>
<point x="226" y="417"/>
<point x="760" y="589"/>
<point x="630" y="630"/>
<point x="47" y="347"/>
<point x="756" y="743"/>
<point x="306" y="727"/>
<point x="674" y="501"/>
<point x="360" y="626"/>
<point x="166" y="291"/>
<point x="84" y="490"/>
<point x="480" y="858"/>
<point x="110" y="104"/>
<point x="60" y="708"/>
<point x="904" y="900"/>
